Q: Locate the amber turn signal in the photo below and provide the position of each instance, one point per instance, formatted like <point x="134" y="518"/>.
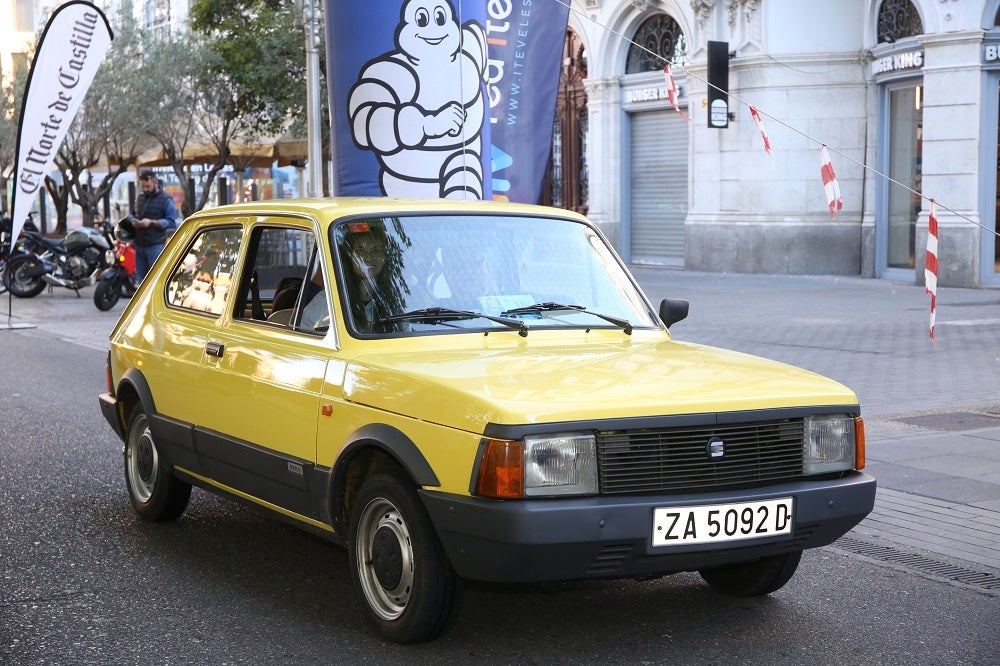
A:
<point x="859" y="443"/>
<point x="501" y="472"/>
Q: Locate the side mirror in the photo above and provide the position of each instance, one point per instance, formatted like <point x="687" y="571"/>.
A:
<point x="673" y="310"/>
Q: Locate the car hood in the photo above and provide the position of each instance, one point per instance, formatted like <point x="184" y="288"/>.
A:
<point x="551" y="383"/>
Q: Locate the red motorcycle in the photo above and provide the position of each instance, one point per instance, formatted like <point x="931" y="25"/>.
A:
<point x="119" y="279"/>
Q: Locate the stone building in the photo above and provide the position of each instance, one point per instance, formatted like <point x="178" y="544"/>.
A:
<point x="903" y="92"/>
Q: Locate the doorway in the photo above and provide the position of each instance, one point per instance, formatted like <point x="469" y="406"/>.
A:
<point x="904" y="167"/>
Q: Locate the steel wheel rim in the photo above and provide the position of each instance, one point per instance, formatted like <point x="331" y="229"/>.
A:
<point x="142" y="461"/>
<point x="383" y="535"/>
<point x="17" y="278"/>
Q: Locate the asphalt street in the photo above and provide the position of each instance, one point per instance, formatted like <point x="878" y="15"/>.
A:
<point x="83" y="582"/>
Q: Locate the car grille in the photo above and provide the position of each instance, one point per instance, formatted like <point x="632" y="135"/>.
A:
<point x="676" y="459"/>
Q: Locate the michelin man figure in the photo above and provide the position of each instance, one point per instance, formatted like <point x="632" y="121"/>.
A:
<point x="420" y="108"/>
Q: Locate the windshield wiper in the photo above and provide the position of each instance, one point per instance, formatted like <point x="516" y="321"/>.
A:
<point x="553" y="307"/>
<point x="437" y="315"/>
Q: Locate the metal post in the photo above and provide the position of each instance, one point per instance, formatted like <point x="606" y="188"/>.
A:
<point x="223" y="190"/>
<point x="43" y="213"/>
<point x="312" y="23"/>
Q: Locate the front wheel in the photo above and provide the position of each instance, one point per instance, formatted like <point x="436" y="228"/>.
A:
<point x="401" y="573"/>
<point x="23" y="276"/>
<point x="753" y="579"/>
<point x="107" y="293"/>
<point x="156" y="494"/>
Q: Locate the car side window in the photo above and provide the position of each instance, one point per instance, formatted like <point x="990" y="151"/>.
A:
<point x="203" y="279"/>
<point x="283" y="281"/>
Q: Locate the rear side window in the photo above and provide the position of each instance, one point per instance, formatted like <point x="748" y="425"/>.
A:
<point x="203" y="279"/>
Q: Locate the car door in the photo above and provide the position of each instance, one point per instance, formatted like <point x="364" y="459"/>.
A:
<point x="195" y="291"/>
<point x="263" y="373"/>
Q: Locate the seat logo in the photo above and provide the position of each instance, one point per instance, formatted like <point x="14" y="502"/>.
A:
<point x="715" y="449"/>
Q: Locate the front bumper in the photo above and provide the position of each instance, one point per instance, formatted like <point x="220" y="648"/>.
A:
<point x="609" y="537"/>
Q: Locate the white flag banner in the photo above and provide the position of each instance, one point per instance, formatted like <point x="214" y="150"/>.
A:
<point x="69" y="52"/>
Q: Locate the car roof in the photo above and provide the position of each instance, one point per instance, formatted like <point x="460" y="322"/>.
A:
<point x="327" y="208"/>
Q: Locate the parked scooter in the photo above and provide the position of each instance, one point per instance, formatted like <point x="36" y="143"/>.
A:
<point x="119" y="279"/>
<point x="74" y="262"/>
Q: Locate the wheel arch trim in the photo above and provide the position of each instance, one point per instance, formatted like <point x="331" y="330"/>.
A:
<point x="384" y="439"/>
<point x="136" y="381"/>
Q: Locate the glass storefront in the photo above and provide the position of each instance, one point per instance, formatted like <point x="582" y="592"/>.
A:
<point x="996" y="218"/>
<point x="904" y="167"/>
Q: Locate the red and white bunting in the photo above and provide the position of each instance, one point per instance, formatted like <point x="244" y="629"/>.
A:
<point x="672" y="91"/>
<point x="931" y="263"/>
<point x="760" y="127"/>
<point x="833" y="198"/>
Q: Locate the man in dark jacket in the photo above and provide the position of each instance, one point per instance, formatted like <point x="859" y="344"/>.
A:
<point x="155" y="215"/>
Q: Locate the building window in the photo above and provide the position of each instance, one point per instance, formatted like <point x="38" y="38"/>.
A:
<point x="906" y="167"/>
<point x="898" y="19"/>
<point x="156" y="17"/>
<point x="658" y="39"/>
<point x="24" y="16"/>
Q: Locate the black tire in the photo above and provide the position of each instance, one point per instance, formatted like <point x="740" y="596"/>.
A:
<point x="156" y="494"/>
<point x="106" y="294"/>
<point x="753" y="579"/>
<point x="17" y="282"/>
<point x="401" y="574"/>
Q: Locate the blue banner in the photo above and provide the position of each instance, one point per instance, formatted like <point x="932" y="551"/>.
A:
<point x="525" y="39"/>
<point x="443" y="98"/>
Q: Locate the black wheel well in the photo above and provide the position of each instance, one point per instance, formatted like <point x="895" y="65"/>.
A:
<point x="365" y="462"/>
<point x="128" y="398"/>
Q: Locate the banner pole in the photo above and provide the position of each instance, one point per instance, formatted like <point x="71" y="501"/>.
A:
<point x="11" y="325"/>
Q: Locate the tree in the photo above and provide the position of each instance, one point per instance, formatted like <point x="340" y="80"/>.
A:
<point x="254" y="75"/>
<point x="11" y="95"/>
<point x="263" y="67"/>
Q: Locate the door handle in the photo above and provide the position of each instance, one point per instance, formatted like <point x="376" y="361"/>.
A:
<point x="215" y="349"/>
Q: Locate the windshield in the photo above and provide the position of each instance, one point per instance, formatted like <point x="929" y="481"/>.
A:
<point x="447" y="273"/>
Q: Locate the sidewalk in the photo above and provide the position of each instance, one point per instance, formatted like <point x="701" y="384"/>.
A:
<point x="932" y="409"/>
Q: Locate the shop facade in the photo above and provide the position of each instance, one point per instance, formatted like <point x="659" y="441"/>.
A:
<point x="904" y="93"/>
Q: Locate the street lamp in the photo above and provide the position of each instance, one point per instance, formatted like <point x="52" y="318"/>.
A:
<point x="312" y="25"/>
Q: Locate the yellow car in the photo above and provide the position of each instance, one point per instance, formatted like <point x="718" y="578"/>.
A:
<point x="468" y="391"/>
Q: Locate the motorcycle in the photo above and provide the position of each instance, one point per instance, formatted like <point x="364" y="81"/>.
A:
<point x="9" y="249"/>
<point x="5" y="229"/>
<point x="74" y="262"/>
<point x="119" y="279"/>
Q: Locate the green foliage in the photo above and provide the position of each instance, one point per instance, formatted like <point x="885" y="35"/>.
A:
<point x="237" y="76"/>
<point x="10" y="113"/>
<point x="260" y="55"/>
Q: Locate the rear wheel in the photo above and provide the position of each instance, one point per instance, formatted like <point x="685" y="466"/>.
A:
<point x="107" y="293"/>
<point x="753" y="579"/>
<point x="23" y="276"/>
<point x="401" y="573"/>
<point x="156" y="494"/>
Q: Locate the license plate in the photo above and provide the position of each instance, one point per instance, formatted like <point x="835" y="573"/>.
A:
<point x="686" y="525"/>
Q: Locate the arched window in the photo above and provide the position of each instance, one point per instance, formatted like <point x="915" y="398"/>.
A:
<point x="566" y="183"/>
<point x="658" y="39"/>
<point x="898" y="19"/>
